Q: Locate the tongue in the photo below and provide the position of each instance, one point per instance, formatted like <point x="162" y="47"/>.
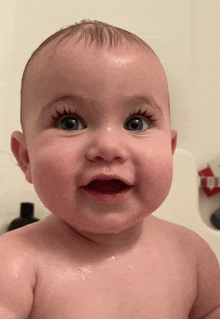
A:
<point x="107" y="186"/>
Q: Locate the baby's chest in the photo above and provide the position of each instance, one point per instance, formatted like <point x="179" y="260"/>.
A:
<point x="136" y="290"/>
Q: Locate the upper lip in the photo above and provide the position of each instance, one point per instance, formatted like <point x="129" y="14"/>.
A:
<point x="108" y="177"/>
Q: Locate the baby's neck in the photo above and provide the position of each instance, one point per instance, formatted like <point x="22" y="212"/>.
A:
<point x="116" y="242"/>
<point x="123" y="240"/>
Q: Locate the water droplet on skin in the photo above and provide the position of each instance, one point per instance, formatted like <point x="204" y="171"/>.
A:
<point x="83" y="273"/>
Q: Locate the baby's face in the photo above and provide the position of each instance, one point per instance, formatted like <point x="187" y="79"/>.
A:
<point x="99" y="114"/>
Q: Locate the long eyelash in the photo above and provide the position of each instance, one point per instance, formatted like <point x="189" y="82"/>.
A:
<point x="144" y="114"/>
<point x="64" y="112"/>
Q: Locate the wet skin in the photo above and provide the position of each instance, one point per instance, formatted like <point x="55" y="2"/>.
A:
<point x="105" y="87"/>
<point x="101" y="256"/>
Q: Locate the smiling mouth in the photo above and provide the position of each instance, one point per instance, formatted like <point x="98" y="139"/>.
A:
<point x="107" y="186"/>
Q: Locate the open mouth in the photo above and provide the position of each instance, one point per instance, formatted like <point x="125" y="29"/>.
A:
<point x="110" y="186"/>
<point x="108" y="191"/>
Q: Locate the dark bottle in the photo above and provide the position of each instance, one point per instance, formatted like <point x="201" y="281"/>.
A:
<point x="215" y="218"/>
<point x="26" y="217"/>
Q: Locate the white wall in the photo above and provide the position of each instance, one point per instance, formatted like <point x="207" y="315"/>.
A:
<point x="204" y="108"/>
<point x="184" y="33"/>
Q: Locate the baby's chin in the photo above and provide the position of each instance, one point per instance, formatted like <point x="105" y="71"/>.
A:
<point x="112" y="236"/>
<point x="107" y="225"/>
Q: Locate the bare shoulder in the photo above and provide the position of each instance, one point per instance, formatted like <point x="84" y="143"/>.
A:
<point x="179" y="235"/>
<point x="185" y="236"/>
<point x="13" y="242"/>
<point x="17" y="251"/>
<point x="28" y="243"/>
<point x="207" y="267"/>
<point x="18" y="270"/>
<point x="23" y="240"/>
<point x="208" y="280"/>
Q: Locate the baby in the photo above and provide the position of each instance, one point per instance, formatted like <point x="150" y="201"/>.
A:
<point x="97" y="146"/>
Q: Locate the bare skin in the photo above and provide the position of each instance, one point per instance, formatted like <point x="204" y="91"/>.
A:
<point x="62" y="274"/>
<point x="102" y="257"/>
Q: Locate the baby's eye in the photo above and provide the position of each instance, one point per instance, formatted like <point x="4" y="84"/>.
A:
<point x="137" y="124"/>
<point x="71" y="123"/>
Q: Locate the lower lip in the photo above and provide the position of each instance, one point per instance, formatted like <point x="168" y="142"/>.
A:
<point x="113" y="198"/>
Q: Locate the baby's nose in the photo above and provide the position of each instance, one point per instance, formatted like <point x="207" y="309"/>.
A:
<point x="107" y="146"/>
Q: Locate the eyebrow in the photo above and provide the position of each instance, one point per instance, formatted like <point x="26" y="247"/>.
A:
<point x="65" y="97"/>
<point x="142" y="99"/>
<point x="133" y="100"/>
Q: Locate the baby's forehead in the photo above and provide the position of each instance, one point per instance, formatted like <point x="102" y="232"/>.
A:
<point x="59" y="59"/>
<point x="49" y="62"/>
<point x="60" y="50"/>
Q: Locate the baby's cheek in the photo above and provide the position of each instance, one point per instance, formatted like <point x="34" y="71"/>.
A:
<point x="156" y="176"/>
<point x="51" y="175"/>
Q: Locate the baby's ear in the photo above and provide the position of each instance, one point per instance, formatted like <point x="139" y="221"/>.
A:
<point x="174" y="140"/>
<point x="19" y="149"/>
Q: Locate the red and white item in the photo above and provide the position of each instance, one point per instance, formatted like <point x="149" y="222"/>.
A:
<point x="210" y="177"/>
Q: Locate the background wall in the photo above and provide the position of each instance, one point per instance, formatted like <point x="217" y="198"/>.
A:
<point x="185" y="34"/>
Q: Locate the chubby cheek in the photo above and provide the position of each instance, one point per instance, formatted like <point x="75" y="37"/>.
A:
<point x="52" y="170"/>
<point x="155" y="175"/>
